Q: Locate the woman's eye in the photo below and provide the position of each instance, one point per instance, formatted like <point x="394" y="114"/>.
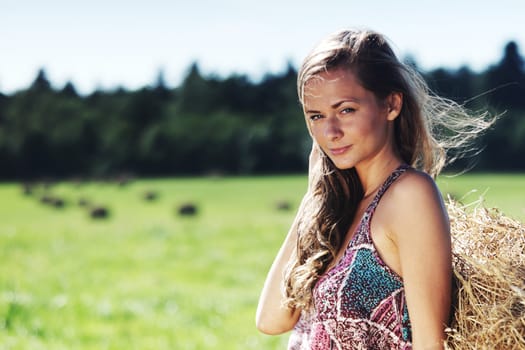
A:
<point x="315" y="117"/>
<point x="348" y="110"/>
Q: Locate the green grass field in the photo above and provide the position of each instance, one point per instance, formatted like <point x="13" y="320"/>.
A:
<point x="147" y="278"/>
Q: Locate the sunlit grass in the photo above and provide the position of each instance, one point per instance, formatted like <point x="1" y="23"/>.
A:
<point x="147" y="278"/>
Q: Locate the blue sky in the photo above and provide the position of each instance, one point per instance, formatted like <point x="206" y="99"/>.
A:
<point x="105" y="44"/>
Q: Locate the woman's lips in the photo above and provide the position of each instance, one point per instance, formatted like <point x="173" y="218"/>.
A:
<point x="340" y="150"/>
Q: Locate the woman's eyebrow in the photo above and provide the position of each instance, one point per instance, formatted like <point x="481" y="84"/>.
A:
<point x="310" y="111"/>
<point x="339" y="103"/>
<point x="334" y="105"/>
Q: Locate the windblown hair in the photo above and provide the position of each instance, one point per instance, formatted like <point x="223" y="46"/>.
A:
<point x="426" y="132"/>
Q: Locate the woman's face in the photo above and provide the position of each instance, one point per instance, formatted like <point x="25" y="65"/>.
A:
<point x="347" y="121"/>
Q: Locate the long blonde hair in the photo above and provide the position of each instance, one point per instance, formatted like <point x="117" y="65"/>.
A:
<point x="429" y="132"/>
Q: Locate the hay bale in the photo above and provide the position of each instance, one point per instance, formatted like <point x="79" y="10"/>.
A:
<point x="489" y="267"/>
<point x="99" y="212"/>
<point x="46" y="199"/>
<point x="283" y="205"/>
<point x="187" y="209"/>
<point x="27" y="189"/>
<point x="57" y="202"/>
<point x="53" y="201"/>
<point x="150" y="196"/>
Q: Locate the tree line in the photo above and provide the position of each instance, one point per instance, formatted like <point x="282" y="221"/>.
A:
<point x="213" y="125"/>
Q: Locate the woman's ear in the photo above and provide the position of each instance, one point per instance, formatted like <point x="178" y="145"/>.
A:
<point x="394" y="105"/>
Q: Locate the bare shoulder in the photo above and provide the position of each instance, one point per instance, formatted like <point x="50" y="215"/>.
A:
<point x="417" y="225"/>
<point x="413" y="201"/>
<point x="413" y="187"/>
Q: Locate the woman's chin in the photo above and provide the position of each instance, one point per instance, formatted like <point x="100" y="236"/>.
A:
<point x="343" y="166"/>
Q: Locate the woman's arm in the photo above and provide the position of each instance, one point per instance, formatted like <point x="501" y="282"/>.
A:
<point x="272" y="317"/>
<point x="421" y="232"/>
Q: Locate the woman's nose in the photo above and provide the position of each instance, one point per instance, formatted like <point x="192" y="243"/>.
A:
<point x="333" y="129"/>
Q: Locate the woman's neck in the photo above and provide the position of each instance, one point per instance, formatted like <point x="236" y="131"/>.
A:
<point x="373" y="176"/>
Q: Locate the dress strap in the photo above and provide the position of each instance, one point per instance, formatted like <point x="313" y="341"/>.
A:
<point x="389" y="181"/>
<point x="362" y="231"/>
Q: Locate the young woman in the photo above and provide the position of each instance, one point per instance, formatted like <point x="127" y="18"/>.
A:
<point x="367" y="261"/>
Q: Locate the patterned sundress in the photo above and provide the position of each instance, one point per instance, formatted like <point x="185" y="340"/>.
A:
<point x="360" y="302"/>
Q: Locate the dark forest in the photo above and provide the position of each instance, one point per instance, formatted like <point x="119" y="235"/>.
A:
<point x="212" y="125"/>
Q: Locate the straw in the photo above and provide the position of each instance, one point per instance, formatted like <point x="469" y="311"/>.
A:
<point x="489" y="268"/>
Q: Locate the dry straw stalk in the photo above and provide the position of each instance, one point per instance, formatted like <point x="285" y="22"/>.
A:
<point x="489" y="267"/>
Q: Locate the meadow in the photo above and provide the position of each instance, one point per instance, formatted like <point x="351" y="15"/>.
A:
<point x="146" y="277"/>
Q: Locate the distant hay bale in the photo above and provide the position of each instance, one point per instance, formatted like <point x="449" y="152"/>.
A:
<point x="489" y="267"/>
<point x="99" y="212"/>
<point x="28" y="189"/>
<point x="46" y="199"/>
<point x="53" y="201"/>
<point x="187" y="209"/>
<point x="58" y="202"/>
<point x="283" y="205"/>
<point x="150" y="196"/>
